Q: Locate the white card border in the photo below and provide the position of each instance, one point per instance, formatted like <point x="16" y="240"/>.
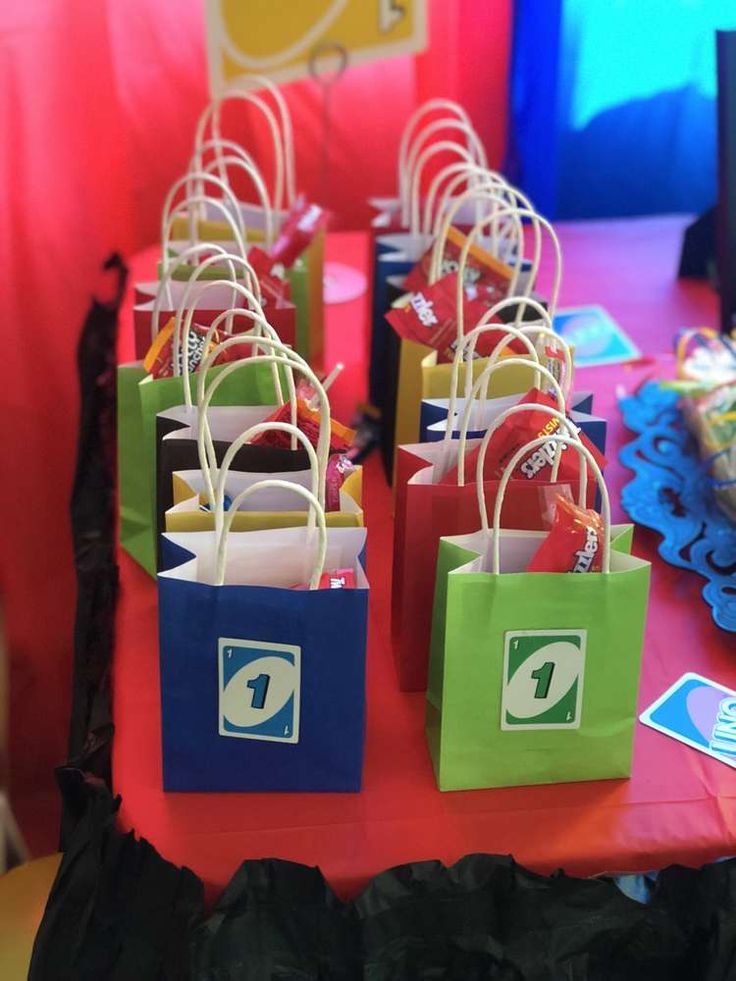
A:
<point x="582" y="633"/>
<point x="266" y="646"/>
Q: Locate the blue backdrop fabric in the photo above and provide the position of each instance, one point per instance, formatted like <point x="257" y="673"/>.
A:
<point x="613" y="105"/>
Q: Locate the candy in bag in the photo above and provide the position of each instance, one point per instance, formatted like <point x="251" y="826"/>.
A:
<point x="574" y="541"/>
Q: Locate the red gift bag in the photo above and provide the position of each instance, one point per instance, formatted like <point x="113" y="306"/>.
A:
<point x="427" y="509"/>
<point x="211" y="297"/>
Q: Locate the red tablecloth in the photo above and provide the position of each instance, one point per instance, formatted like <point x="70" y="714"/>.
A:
<point x="678" y="805"/>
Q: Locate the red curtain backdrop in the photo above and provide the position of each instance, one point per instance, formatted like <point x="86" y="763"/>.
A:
<point x="98" y="105"/>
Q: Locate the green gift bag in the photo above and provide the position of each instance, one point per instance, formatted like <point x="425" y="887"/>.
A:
<point x="315" y="258"/>
<point x="533" y="677"/>
<point x="305" y="278"/>
<point x="132" y="497"/>
<point x="140" y="398"/>
<point x="298" y="278"/>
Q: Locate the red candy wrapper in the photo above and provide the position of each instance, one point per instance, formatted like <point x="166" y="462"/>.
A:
<point x="159" y="360"/>
<point x="485" y="277"/>
<point x="574" y="542"/>
<point x="300" y="227"/>
<point x="339" y="579"/>
<point x="339" y="468"/>
<point x="272" y="286"/>
<point x="548" y="494"/>
<point x="430" y="317"/>
<point x="307" y="420"/>
<point x="517" y="430"/>
<point x="261" y="261"/>
<point x="554" y="361"/>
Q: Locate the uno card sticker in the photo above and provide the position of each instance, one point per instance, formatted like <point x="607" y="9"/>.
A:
<point x="699" y="713"/>
<point x="259" y="688"/>
<point x="543" y="679"/>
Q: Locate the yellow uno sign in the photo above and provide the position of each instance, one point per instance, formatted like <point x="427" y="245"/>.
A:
<point x="281" y="38"/>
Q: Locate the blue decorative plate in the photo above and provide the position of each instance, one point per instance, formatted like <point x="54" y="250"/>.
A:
<point x="671" y="493"/>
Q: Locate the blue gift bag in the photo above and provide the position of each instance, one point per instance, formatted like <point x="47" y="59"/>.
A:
<point x="262" y="684"/>
<point x="397" y="249"/>
<point x="475" y="411"/>
<point x="393" y="256"/>
<point x="434" y="418"/>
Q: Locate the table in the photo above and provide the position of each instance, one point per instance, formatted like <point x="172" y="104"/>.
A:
<point x="678" y="806"/>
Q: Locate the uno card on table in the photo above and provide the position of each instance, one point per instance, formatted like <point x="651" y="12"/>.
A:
<point x="699" y="713"/>
<point x="596" y="337"/>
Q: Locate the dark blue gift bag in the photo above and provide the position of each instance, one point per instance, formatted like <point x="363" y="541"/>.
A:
<point x="394" y="255"/>
<point x="396" y="251"/>
<point x="434" y="418"/>
<point x="262" y="684"/>
<point x="437" y="414"/>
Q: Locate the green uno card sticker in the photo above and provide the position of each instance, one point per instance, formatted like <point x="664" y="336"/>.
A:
<point x="543" y="679"/>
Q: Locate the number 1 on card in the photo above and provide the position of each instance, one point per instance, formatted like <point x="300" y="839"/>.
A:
<point x="543" y="678"/>
<point x="259" y="687"/>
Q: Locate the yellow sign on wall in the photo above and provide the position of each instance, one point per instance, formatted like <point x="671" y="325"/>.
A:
<point x="282" y="38"/>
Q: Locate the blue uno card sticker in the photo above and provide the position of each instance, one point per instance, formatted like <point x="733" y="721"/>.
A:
<point x="259" y="690"/>
<point x="699" y="713"/>
<point x="596" y="337"/>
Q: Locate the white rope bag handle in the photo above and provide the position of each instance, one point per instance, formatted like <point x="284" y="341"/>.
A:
<point x="503" y="195"/>
<point x="475" y="147"/>
<point x="212" y="115"/>
<point x="448" y="106"/>
<point x="462" y="261"/>
<point x="236" y="157"/>
<point x="465" y="351"/>
<point x="297" y="436"/>
<point x="190" y="303"/>
<point x="184" y="208"/>
<point x="538" y="222"/>
<point x="261" y="333"/>
<point x="494" y="191"/>
<point x="219" y="143"/>
<point x="280" y="356"/>
<point x="481" y="384"/>
<point x="169" y="270"/>
<point x="568" y="433"/>
<point x="221" y="255"/>
<point x="441" y="146"/>
<point x="277" y="359"/>
<point x="586" y="458"/>
<point x="461" y="172"/>
<point x="261" y="327"/>
<point x="239" y="262"/>
<point x="487" y="194"/>
<point x="287" y="130"/>
<point x="540" y="330"/>
<point x="315" y="509"/>
<point x="255" y="175"/>
<point x="227" y="205"/>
